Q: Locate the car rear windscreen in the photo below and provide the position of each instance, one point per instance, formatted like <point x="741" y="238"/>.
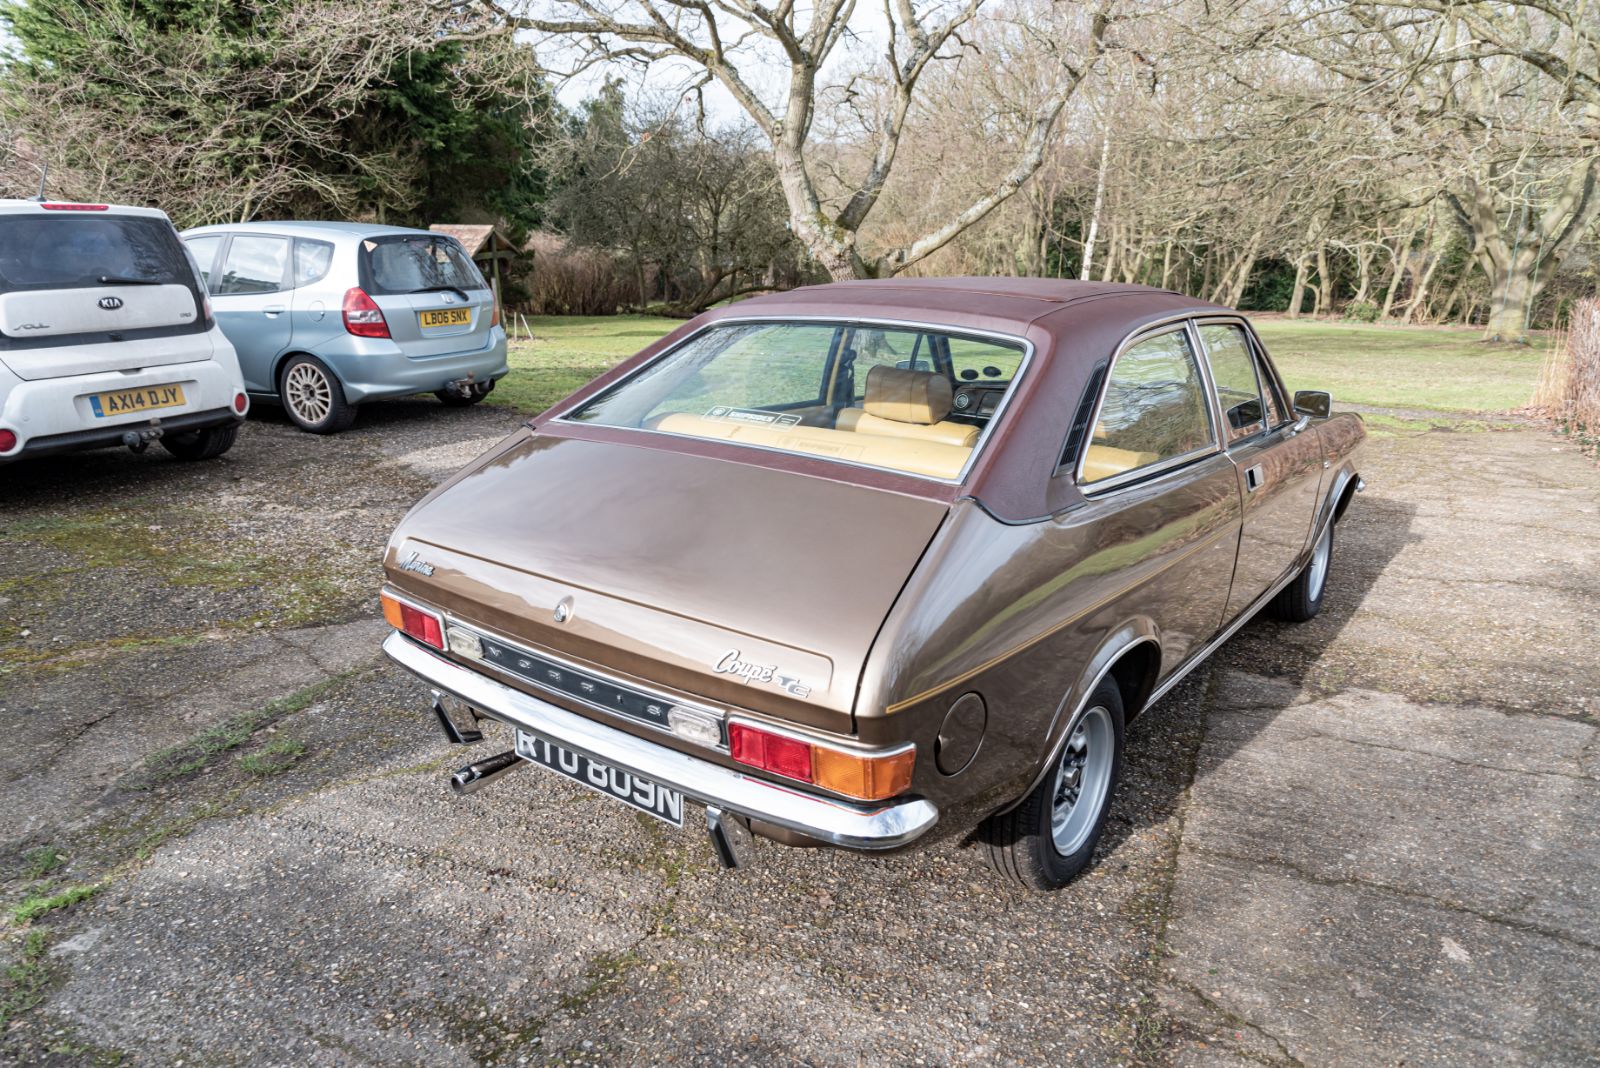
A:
<point x="404" y="263"/>
<point x="78" y="252"/>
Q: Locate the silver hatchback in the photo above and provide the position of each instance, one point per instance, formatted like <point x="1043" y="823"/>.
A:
<point x="327" y="315"/>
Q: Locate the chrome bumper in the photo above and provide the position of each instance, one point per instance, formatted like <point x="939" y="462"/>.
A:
<point x="712" y="785"/>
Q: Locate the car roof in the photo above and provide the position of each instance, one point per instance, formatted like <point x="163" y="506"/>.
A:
<point x="29" y="206"/>
<point x="311" y="226"/>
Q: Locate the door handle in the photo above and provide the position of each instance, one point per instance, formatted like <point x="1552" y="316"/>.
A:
<point x="272" y="311"/>
<point x="1254" y="478"/>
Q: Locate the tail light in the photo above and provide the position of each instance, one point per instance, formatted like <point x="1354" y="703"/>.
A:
<point x="494" y="319"/>
<point x="362" y="316"/>
<point x="408" y="619"/>
<point x="240" y="403"/>
<point x="8" y="441"/>
<point x="870" y="776"/>
<point x="205" y="310"/>
<point x="54" y="206"/>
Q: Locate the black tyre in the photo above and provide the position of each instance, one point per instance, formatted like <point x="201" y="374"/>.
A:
<point x="1046" y="841"/>
<point x="453" y="399"/>
<point x="313" y="397"/>
<point x="206" y="444"/>
<point x="1302" y="598"/>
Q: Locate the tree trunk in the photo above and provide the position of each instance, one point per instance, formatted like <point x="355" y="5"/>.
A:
<point x="1099" y="203"/>
<point x="1324" y="305"/>
<point x="1402" y="256"/>
<point x="1301" y="266"/>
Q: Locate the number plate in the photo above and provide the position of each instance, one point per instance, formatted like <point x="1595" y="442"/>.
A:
<point x="658" y="801"/>
<point x="432" y="320"/>
<point x="144" y="399"/>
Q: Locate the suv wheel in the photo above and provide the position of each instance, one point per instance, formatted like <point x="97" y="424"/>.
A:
<point x="312" y="396"/>
<point x="206" y="444"/>
<point x="1047" y="840"/>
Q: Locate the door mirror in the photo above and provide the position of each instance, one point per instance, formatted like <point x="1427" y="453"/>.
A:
<point x="1313" y="402"/>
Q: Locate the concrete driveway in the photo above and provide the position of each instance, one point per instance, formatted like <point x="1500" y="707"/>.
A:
<point x="1371" y="839"/>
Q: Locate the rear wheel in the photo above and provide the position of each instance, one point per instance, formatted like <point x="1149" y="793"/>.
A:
<point x="206" y="444"/>
<point x="312" y="396"/>
<point x="1302" y="598"/>
<point x="1047" y="840"/>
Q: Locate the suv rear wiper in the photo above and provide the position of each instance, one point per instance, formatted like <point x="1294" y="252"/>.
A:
<point x="119" y="280"/>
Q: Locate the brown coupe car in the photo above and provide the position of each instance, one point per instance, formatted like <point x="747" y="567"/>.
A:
<point x="864" y="563"/>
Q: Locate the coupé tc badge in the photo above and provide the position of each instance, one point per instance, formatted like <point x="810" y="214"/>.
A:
<point x="730" y="664"/>
<point x="110" y="303"/>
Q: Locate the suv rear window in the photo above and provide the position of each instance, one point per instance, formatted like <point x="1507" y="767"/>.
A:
<point x="79" y="252"/>
<point x="404" y="263"/>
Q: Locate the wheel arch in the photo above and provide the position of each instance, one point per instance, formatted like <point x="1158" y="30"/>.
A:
<point x="1131" y="656"/>
<point x="283" y="359"/>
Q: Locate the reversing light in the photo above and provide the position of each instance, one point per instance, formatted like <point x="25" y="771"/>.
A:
<point x="694" y="726"/>
<point x="362" y="316"/>
<point x="870" y="776"/>
<point x="414" y="622"/>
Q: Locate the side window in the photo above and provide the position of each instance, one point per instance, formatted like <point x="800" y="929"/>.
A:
<point x="254" y="264"/>
<point x="311" y="261"/>
<point x="204" y="251"/>
<point x="1233" y="368"/>
<point x="1154" y="410"/>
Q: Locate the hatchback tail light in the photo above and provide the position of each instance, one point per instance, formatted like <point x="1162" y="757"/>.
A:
<point x="362" y="316"/>
<point x="8" y="440"/>
<point x="408" y="619"/>
<point x="870" y="776"/>
<point x="494" y="319"/>
<point x="240" y="403"/>
<point x="56" y="206"/>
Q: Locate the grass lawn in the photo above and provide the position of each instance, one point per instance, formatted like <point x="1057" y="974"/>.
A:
<point x="1439" y="368"/>
<point x="1403" y="366"/>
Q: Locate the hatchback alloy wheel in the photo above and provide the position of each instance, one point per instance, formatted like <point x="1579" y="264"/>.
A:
<point x="307" y="393"/>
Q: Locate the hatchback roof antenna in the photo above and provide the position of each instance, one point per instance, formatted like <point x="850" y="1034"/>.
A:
<point x="44" y="174"/>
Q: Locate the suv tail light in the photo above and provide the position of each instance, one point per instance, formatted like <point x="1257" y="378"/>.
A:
<point x="408" y="619"/>
<point x="362" y="316"/>
<point x="870" y="776"/>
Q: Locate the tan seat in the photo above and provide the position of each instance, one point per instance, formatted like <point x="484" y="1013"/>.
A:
<point x="908" y="404"/>
<point x="912" y="455"/>
<point x="1104" y="461"/>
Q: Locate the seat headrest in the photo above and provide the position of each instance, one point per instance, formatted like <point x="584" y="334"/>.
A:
<point x="907" y="396"/>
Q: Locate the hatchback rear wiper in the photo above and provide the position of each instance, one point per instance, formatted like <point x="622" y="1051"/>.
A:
<point x="119" y="280"/>
<point x="441" y="289"/>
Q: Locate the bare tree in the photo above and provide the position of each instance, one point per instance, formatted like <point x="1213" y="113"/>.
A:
<point x="770" y="58"/>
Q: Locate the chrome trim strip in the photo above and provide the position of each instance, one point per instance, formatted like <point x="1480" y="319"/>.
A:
<point x="849" y="320"/>
<point x="719" y="714"/>
<point x="712" y="785"/>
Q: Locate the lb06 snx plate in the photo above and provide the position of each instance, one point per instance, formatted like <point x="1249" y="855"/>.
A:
<point x="664" y="804"/>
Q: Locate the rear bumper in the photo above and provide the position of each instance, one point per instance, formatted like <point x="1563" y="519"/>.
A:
<point x="51" y="415"/>
<point x="104" y="436"/>
<point x="373" y="370"/>
<point x="834" y="822"/>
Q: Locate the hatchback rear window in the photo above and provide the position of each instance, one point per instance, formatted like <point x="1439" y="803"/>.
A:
<point x="415" y="264"/>
<point x="75" y="252"/>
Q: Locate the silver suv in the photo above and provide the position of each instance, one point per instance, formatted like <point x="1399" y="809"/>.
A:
<point x="106" y="337"/>
<point x="327" y="315"/>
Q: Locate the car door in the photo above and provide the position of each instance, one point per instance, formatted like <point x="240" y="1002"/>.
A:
<point x="250" y="299"/>
<point x="316" y="302"/>
<point x="1279" y="464"/>
<point x="1165" y="498"/>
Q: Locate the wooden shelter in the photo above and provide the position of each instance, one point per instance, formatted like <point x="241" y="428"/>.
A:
<point x="487" y="246"/>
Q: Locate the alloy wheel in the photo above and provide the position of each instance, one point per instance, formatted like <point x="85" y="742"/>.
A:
<point x="1083" y="779"/>
<point x="308" y="393"/>
<point x="1319" y="564"/>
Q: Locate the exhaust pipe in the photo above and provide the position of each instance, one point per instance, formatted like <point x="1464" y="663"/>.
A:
<point x="475" y="776"/>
